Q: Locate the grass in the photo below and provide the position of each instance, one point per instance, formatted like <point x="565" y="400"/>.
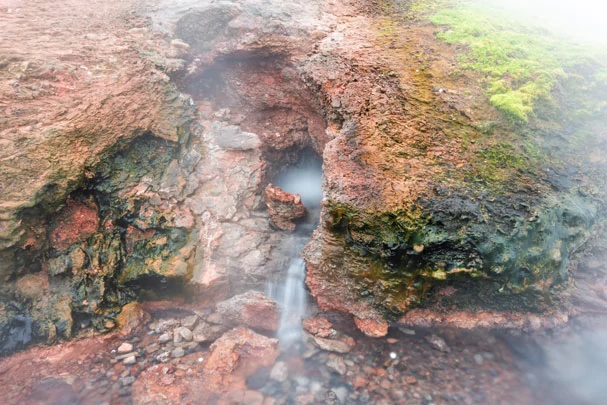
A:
<point x="520" y="64"/>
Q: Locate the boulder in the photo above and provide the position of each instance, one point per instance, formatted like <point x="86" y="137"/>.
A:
<point x="251" y="309"/>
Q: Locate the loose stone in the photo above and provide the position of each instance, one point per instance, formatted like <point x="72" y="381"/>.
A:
<point x="125" y="348"/>
<point x="130" y="360"/>
<point x="178" y="353"/>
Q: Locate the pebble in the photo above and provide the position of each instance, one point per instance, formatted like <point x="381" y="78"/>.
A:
<point x="279" y="372"/>
<point x="125" y="381"/>
<point x="189" y="321"/>
<point x="178" y="352"/>
<point x="151" y="348"/>
<point x="407" y="331"/>
<point x="438" y="343"/>
<point x="163" y="357"/>
<point x="164" y="338"/>
<point x="478" y="358"/>
<point x="130" y="360"/>
<point x="125" y="348"/>
<point x="337" y="363"/>
<point x="182" y="333"/>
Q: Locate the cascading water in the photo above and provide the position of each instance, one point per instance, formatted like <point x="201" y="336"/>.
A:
<point x="304" y="178"/>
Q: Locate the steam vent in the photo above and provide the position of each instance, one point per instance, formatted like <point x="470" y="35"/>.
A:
<point x="279" y="202"/>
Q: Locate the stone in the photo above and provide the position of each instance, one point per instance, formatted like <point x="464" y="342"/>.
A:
<point x="253" y="398"/>
<point x="252" y="309"/>
<point x="181" y="334"/>
<point x="283" y="208"/>
<point x="164" y="338"/>
<point x="189" y="321"/>
<point x="126" y="381"/>
<point x="131" y="317"/>
<point x="280" y="372"/>
<point x="438" y="343"/>
<point x="125" y="348"/>
<point x="152" y="347"/>
<point x="130" y="360"/>
<point x="320" y="327"/>
<point x="163" y="357"/>
<point x="239" y="348"/>
<point x="337" y="364"/>
<point x="372" y="327"/>
<point x="206" y="332"/>
<point x="334" y="345"/>
<point x="178" y="352"/>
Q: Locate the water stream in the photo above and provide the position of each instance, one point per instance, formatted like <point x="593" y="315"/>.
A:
<point x="304" y="178"/>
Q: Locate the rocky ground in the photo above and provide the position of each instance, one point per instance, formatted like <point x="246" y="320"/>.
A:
<point x="139" y="139"/>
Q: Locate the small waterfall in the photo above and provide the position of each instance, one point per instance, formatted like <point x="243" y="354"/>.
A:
<point x="292" y="297"/>
<point x="305" y="179"/>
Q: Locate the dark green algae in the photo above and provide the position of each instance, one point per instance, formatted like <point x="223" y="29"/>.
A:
<point x="512" y="250"/>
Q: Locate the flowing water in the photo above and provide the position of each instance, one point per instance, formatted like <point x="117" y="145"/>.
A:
<point x="304" y="178"/>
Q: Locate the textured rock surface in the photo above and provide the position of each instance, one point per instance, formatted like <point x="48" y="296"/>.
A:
<point x="283" y="208"/>
<point x="251" y="309"/>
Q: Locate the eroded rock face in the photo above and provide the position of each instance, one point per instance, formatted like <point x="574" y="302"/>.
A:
<point x="116" y="184"/>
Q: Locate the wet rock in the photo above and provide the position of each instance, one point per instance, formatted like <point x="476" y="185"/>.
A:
<point x="372" y="327"/>
<point x="178" y="352"/>
<point x="239" y="348"/>
<point x="283" y="208"/>
<point x="280" y="372"/>
<point x="164" y="338"/>
<point x="182" y="333"/>
<point x="33" y="286"/>
<point x="189" y="321"/>
<point x="126" y="381"/>
<point x="438" y="343"/>
<point x="251" y="309"/>
<point x="163" y="357"/>
<point x="337" y="363"/>
<point x="319" y="327"/>
<point x="151" y="348"/>
<point x="19" y="333"/>
<point x="77" y="221"/>
<point x="253" y="398"/>
<point x="333" y="345"/>
<point x="206" y="332"/>
<point x="131" y="317"/>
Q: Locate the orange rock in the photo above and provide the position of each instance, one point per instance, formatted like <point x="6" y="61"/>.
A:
<point x="372" y="327"/>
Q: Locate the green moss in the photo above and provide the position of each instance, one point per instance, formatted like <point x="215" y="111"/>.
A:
<point x="520" y="63"/>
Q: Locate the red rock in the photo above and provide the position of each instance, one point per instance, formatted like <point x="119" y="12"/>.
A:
<point x="235" y="356"/>
<point x="251" y="309"/>
<point x="320" y="327"/>
<point x="75" y="222"/>
<point x="372" y="327"/>
<point x="343" y="345"/>
<point x="283" y="208"/>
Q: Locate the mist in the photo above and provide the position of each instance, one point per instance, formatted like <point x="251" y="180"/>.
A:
<point x="581" y="20"/>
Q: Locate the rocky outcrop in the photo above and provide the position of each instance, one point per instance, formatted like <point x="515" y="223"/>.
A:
<point x="283" y="208"/>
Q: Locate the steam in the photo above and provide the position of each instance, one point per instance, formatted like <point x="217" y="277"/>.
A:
<point x="582" y="20"/>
